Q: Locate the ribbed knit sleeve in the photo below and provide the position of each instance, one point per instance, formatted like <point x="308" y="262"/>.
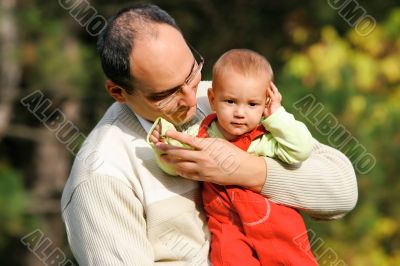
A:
<point x="324" y="186"/>
<point x="105" y="224"/>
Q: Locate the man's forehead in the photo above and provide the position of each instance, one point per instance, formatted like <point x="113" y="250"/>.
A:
<point x="163" y="62"/>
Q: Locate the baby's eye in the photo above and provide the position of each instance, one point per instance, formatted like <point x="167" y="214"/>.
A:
<point x="229" y="101"/>
<point x="253" y="104"/>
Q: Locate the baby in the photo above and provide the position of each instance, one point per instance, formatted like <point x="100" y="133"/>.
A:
<point x="246" y="228"/>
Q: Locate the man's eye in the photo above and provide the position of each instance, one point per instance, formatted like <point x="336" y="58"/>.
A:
<point x="162" y="96"/>
<point x="157" y="97"/>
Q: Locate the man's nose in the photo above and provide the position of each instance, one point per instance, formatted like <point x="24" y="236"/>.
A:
<point x="188" y="97"/>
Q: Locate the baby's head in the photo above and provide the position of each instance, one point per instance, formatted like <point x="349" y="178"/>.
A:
<point x="239" y="91"/>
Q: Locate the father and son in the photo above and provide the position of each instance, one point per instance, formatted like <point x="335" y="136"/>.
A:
<point x="132" y="209"/>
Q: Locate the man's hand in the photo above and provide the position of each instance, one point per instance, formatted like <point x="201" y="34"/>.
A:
<point x="273" y="101"/>
<point x="214" y="160"/>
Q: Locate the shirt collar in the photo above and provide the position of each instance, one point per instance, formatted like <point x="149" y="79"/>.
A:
<point x="146" y="124"/>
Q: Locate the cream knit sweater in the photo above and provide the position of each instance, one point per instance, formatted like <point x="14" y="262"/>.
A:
<point x="119" y="208"/>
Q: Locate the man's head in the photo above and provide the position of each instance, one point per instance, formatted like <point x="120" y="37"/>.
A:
<point x="239" y="91"/>
<point x="148" y="63"/>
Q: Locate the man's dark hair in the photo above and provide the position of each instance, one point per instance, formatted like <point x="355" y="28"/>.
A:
<point x="116" y="41"/>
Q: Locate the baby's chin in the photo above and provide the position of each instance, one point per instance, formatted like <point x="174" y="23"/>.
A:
<point x="235" y="133"/>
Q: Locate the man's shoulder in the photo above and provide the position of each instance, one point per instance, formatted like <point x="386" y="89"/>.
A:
<point x="108" y="150"/>
<point x="116" y="131"/>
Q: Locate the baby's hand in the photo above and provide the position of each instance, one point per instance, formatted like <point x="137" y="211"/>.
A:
<point x="156" y="135"/>
<point x="273" y="101"/>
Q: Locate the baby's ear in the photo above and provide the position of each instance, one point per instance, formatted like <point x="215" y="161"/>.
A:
<point x="211" y="97"/>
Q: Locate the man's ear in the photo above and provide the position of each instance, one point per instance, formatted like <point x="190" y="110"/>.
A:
<point x="115" y="91"/>
<point x="211" y="97"/>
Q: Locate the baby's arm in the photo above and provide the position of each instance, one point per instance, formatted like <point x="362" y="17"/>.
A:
<point x="157" y="134"/>
<point x="289" y="140"/>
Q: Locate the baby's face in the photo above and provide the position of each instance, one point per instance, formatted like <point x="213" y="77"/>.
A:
<point x="239" y="102"/>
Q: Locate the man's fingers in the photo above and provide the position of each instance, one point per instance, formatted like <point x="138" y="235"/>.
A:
<point x="183" y="138"/>
<point x="190" y="170"/>
<point x="187" y="170"/>
<point x="173" y="154"/>
<point x="167" y="147"/>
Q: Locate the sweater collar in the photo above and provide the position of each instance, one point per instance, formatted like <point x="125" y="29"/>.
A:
<point x="146" y="124"/>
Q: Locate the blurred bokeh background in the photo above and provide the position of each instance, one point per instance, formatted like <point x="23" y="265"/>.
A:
<point x="336" y="63"/>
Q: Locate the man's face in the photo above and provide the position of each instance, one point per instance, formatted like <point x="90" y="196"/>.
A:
<point x="161" y="65"/>
<point x="239" y="102"/>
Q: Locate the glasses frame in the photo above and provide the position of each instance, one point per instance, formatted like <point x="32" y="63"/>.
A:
<point x="199" y="59"/>
<point x="200" y="63"/>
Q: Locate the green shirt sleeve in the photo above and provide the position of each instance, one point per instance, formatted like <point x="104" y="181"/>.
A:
<point x="288" y="139"/>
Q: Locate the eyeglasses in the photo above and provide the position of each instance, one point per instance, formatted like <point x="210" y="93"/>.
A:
<point x="198" y="66"/>
<point x="199" y="61"/>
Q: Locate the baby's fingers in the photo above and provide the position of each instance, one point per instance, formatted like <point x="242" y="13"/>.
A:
<point x="157" y="129"/>
<point x="273" y="88"/>
<point x="269" y="90"/>
<point x="155" y="134"/>
<point x="154" y="139"/>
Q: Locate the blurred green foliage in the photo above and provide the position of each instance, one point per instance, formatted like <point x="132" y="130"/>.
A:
<point x="14" y="202"/>
<point x="358" y="79"/>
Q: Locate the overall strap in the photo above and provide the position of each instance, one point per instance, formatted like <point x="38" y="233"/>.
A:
<point x="245" y="140"/>
<point x="205" y="124"/>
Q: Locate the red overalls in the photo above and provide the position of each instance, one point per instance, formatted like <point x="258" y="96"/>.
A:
<point x="248" y="229"/>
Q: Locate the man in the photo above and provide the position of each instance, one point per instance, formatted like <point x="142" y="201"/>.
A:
<point x="119" y="208"/>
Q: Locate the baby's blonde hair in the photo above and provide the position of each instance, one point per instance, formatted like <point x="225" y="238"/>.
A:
<point x="241" y="61"/>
